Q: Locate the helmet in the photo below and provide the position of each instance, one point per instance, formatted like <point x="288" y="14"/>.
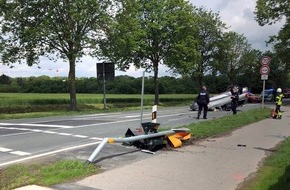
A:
<point x="279" y="90"/>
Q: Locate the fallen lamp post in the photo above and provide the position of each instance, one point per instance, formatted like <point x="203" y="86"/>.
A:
<point x="150" y="140"/>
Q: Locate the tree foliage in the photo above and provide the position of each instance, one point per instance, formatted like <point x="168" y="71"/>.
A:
<point x="65" y="29"/>
<point x="250" y="75"/>
<point x="149" y="33"/>
<point x="209" y="34"/>
<point x="269" y="12"/>
<point x="232" y="49"/>
<point x="250" y="78"/>
<point x="4" y="79"/>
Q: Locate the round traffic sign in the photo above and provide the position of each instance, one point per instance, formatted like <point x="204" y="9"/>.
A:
<point x="265" y="60"/>
<point x="264" y="70"/>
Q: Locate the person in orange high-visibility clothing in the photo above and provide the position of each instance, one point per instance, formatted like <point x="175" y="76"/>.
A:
<point x="279" y="97"/>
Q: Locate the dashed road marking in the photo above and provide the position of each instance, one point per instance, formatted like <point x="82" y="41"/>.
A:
<point x="96" y="138"/>
<point x="20" y="153"/>
<point x="132" y="116"/>
<point x="2" y="149"/>
<point x="36" y="130"/>
<point x="37" y="125"/>
<point x="51" y="132"/>
<point x="46" y="154"/>
<point x="64" y="134"/>
<point x="15" y="152"/>
<point x="81" y="136"/>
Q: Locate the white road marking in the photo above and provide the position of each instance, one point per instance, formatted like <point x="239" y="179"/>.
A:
<point x="132" y="116"/>
<point x="48" y="153"/>
<point x="49" y="132"/>
<point x="20" y="129"/>
<point x="64" y="134"/>
<point x="53" y="132"/>
<point x="11" y="151"/>
<point x="37" y="125"/>
<point x="36" y="130"/>
<point x="12" y="128"/>
<point x="80" y="136"/>
<point x="96" y="115"/>
<point x="96" y="138"/>
<point x="2" y="149"/>
<point x="20" y="153"/>
<point x="127" y="120"/>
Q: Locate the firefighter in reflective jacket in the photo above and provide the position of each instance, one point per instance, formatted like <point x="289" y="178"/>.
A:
<point x="279" y="98"/>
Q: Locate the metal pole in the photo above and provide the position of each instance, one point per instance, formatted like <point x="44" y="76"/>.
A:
<point x="98" y="150"/>
<point x="132" y="139"/>
<point x="140" y="137"/>
<point x="104" y="83"/>
<point x="142" y="96"/>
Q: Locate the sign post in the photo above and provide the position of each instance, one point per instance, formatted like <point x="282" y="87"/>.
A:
<point x="264" y="71"/>
<point x="105" y="71"/>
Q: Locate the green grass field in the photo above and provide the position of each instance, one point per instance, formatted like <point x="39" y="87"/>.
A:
<point x="19" y="105"/>
<point x="33" y="99"/>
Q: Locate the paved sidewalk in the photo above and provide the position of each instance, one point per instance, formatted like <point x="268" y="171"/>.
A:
<point x="216" y="163"/>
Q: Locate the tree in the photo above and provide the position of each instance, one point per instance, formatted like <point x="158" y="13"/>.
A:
<point x="269" y="12"/>
<point x="148" y="33"/>
<point x="4" y="79"/>
<point x="278" y="76"/>
<point x="209" y="34"/>
<point x="250" y="75"/>
<point x="54" y="28"/>
<point x="232" y="49"/>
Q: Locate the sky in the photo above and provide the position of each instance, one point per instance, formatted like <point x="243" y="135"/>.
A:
<point x="237" y="14"/>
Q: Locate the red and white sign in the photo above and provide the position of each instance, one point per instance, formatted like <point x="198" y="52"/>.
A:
<point x="265" y="60"/>
<point x="265" y="70"/>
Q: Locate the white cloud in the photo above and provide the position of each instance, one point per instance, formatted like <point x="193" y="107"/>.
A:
<point x="239" y="16"/>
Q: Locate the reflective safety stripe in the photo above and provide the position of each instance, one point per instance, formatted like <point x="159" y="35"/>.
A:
<point x="279" y="99"/>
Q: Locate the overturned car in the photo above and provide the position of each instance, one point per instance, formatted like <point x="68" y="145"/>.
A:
<point x="223" y="101"/>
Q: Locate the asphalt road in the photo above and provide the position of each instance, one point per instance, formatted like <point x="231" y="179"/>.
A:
<point x="76" y="137"/>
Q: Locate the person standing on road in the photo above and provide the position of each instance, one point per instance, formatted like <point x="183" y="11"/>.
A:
<point x="279" y="97"/>
<point x="235" y="98"/>
<point x="202" y="102"/>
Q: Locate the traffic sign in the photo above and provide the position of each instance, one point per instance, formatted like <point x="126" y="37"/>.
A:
<point x="265" y="70"/>
<point x="265" y="60"/>
<point x="264" y="77"/>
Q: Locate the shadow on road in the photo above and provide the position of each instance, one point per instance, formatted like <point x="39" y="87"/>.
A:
<point x="115" y="155"/>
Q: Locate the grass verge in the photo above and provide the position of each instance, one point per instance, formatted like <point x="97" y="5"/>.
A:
<point x="227" y="123"/>
<point x="44" y="174"/>
<point x="275" y="172"/>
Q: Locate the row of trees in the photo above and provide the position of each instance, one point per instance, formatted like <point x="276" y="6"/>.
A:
<point x="130" y="85"/>
<point x="191" y="41"/>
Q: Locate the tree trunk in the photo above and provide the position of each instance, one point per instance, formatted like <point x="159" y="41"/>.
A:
<point x="156" y="83"/>
<point x="72" y="84"/>
<point x="200" y="75"/>
<point x="200" y="81"/>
